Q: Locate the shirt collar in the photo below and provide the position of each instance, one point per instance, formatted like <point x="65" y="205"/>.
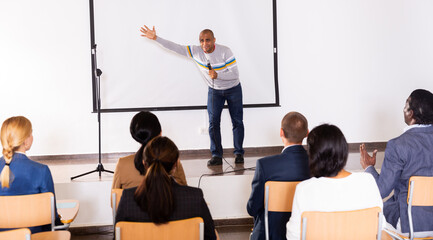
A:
<point x="290" y="146"/>
<point x="416" y="126"/>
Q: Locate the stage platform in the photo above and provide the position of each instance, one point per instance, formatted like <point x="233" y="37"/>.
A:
<point x="226" y="193"/>
<point x="226" y="188"/>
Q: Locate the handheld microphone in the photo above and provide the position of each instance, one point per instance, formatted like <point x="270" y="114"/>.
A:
<point x="208" y="65"/>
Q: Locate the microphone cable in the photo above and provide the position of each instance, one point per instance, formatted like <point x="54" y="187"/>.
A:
<point x="224" y="172"/>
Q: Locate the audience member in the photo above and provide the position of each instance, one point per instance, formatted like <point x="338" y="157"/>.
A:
<point x="159" y="198"/>
<point x="331" y="188"/>
<point x="19" y="174"/>
<point x="290" y="165"/>
<point x="130" y="169"/>
<point x="410" y="154"/>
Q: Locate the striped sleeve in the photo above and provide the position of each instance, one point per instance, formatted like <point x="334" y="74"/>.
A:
<point x="177" y="48"/>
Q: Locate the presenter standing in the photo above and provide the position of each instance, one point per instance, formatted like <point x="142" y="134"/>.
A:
<point x="220" y="72"/>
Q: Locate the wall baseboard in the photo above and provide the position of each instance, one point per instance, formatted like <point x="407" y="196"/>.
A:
<point x="184" y="154"/>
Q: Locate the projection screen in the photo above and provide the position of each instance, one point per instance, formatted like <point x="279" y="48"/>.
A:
<point x="137" y="73"/>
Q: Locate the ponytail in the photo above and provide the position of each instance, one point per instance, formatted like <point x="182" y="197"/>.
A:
<point x="154" y="195"/>
<point x="138" y="160"/>
<point x="6" y="172"/>
<point x="14" y="132"/>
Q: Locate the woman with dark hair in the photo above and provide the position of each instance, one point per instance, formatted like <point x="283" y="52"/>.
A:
<point x="159" y="198"/>
<point x="331" y="188"/>
<point x="130" y="169"/>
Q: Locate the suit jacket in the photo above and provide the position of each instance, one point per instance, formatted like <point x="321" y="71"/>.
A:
<point x="127" y="176"/>
<point x="410" y="154"/>
<point x="29" y="177"/>
<point x="290" y="165"/>
<point x="188" y="203"/>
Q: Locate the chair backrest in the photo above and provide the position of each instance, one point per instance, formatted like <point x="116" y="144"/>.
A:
<point x="27" y="210"/>
<point x="53" y="235"/>
<point x="116" y="194"/>
<point x="420" y="193"/>
<point x="361" y="224"/>
<point x="278" y="198"/>
<point x="17" y="234"/>
<point x="187" y="229"/>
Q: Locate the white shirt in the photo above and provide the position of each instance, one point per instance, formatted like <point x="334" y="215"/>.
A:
<point x="356" y="191"/>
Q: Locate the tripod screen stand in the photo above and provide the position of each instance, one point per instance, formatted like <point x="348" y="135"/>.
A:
<point x="96" y="78"/>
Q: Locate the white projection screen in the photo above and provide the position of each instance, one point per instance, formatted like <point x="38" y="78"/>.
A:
<point x="137" y="73"/>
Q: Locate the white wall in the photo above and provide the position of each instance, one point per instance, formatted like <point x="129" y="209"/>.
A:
<point x="350" y="63"/>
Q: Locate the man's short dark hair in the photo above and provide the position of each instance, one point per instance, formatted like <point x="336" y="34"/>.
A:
<point x="295" y="127"/>
<point x="421" y="103"/>
<point x="327" y="150"/>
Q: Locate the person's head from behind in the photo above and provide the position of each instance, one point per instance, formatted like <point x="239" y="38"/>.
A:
<point x="154" y="195"/>
<point x="16" y="135"/>
<point x="327" y="150"/>
<point x="294" y="127"/>
<point x="419" y="108"/>
<point x="144" y="127"/>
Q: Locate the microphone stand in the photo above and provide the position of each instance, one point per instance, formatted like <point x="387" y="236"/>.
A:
<point x="97" y="76"/>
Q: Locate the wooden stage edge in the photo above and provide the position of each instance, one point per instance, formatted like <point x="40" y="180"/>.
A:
<point x="184" y="154"/>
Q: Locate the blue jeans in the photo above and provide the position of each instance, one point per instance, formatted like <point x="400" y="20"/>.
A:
<point x="215" y="105"/>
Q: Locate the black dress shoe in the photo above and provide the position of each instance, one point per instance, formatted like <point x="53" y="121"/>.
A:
<point x="214" y="161"/>
<point x="239" y="158"/>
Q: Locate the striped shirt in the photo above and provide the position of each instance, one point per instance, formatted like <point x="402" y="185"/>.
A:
<point x="221" y="59"/>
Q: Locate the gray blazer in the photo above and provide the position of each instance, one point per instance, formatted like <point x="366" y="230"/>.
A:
<point x="410" y="154"/>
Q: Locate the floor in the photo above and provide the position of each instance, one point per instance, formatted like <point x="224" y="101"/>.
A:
<point x="225" y="233"/>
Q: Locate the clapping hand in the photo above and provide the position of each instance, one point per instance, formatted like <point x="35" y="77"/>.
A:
<point x="367" y="160"/>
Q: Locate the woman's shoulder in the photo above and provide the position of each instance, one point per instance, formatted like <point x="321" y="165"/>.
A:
<point x="126" y="162"/>
<point x="187" y="189"/>
<point x="354" y="177"/>
<point x="126" y="159"/>
<point x="26" y="161"/>
<point x="129" y="192"/>
<point x="362" y="176"/>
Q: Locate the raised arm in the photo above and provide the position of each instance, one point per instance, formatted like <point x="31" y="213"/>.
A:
<point x="151" y="34"/>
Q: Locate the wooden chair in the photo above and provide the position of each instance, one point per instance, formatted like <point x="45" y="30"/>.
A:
<point x="116" y="194"/>
<point x="68" y="210"/>
<point x="29" y="211"/>
<point x="420" y="193"/>
<point x="187" y="229"/>
<point x="57" y="235"/>
<point x="361" y="224"/>
<point x="278" y="198"/>
<point x="17" y="234"/>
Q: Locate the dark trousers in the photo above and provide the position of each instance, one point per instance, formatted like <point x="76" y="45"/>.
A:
<point x="215" y="105"/>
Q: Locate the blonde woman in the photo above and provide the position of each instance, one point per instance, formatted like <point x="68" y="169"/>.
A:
<point x="18" y="174"/>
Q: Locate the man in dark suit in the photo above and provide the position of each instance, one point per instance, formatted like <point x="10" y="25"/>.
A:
<point x="410" y="154"/>
<point x="290" y="165"/>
